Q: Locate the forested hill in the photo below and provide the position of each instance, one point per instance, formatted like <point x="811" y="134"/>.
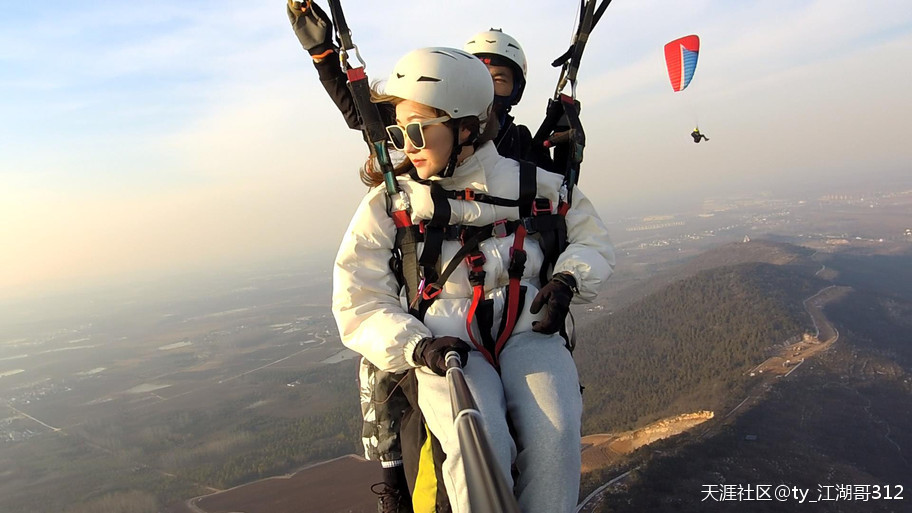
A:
<point x="765" y="251"/>
<point x="736" y="253"/>
<point x="688" y="346"/>
<point x="842" y="419"/>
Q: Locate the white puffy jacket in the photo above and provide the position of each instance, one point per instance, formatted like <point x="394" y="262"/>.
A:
<point x="370" y="312"/>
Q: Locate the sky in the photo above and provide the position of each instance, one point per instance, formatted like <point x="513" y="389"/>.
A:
<point x="182" y="136"/>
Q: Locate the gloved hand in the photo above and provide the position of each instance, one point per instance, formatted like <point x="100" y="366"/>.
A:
<point x="431" y="352"/>
<point x="312" y="26"/>
<point x="557" y="295"/>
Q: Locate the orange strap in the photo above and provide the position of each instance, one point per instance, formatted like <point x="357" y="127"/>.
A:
<point x="320" y="57"/>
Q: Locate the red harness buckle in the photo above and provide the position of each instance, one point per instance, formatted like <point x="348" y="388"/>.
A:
<point x="469" y="195"/>
<point x="475" y="260"/>
<point x="541" y="206"/>
<point x="431" y="291"/>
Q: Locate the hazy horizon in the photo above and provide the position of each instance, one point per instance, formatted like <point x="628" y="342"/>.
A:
<point x="193" y="138"/>
<point x="177" y="280"/>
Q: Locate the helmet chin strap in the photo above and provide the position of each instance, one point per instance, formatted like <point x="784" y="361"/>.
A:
<point x="502" y="106"/>
<point x="457" y="149"/>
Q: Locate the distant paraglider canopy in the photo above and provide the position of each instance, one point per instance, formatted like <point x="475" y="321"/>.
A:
<point x="681" y="60"/>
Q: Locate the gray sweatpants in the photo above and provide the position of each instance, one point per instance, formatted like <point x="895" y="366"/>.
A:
<point x="539" y="388"/>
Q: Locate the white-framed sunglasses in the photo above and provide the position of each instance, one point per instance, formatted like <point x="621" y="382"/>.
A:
<point x="414" y="131"/>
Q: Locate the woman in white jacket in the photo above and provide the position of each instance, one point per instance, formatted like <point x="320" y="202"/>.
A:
<point x="443" y="98"/>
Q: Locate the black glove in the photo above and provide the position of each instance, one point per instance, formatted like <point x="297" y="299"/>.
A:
<point x="557" y="295"/>
<point x="312" y="26"/>
<point x="431" y="352"/>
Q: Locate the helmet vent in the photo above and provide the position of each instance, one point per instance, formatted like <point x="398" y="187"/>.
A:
<point x="427" y="79"/>
<point x="444" y="53"/>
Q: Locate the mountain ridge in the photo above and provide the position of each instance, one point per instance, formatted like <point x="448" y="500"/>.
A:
<point x="841" y="419"/>
<point x="698" y="335"/>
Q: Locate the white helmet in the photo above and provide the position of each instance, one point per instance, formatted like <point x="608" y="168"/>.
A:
<point x="495" y="42"/>
<point x="448" y="79"/>
<point x="499" y="49"/>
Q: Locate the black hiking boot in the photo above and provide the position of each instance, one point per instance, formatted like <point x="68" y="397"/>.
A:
<point x="390" y="500"/>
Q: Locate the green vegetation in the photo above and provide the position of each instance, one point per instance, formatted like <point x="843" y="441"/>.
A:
<point x="689" y="346"/>
<point x="253" y="445"/>
<point x="841" y="420"/>
<point x="69" y="475"/>
<point x="276" y="446"/>
<point x="880" y="324"/>
<point x="140" y="463"/>
<point x="825" y="426"/>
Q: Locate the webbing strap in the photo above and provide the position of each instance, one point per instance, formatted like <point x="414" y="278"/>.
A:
<point x="485" y="316"/>
<point x="577" y="143"/>
<point x="470" y="195"/>
<point x="431" y="291"/>
<point x="528" y="187"/>
<point x="517" y="265"/>
<point x="551" y="232"/>
<point x="434" y="235"/>
<point x="372" y="124"/>
<point x="533" y="217"/>
<point x="441" y="216"/>
<point x="476" y="260"/>
<point x="477" y="294"/>
<point x="407" y="243"/>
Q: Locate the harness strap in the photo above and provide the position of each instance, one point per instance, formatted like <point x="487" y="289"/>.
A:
<point x="441" y="216"/>
<point x="407" y="244"/>
<point x="431" y="291"/>
<point x="434" y="234"/>
<point x="475" y="261"/>
<point x="551" y="232"/>
<point x="498" y="229"/>
<point x="528" y="186"/>
<point x="470" y="195"/>
<point x="536" y="219"/>
<point x="577" y="143"/>
<point x="515" y="271"/>
<point x="373" y="127"/>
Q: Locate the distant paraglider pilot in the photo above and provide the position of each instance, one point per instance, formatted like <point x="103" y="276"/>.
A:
<point x="681" y="57"/>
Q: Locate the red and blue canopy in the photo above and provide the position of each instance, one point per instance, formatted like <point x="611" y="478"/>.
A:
<point x="681" y="60"/>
